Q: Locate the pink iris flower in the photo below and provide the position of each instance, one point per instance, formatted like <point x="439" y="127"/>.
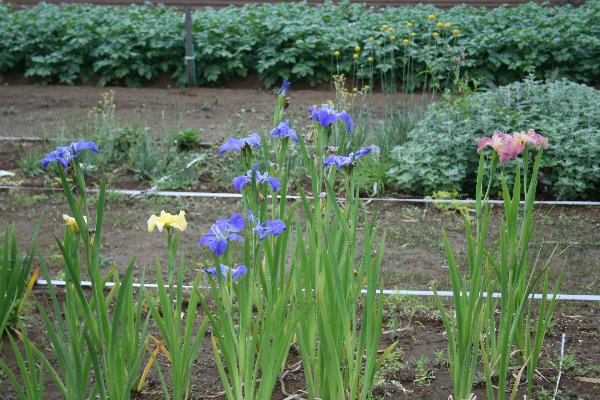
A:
<point x="510" y="146"/>
<point x="506" y="146"/>
<point x="531" y="137"/>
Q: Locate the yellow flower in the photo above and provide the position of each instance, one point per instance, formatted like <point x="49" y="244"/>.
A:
<point x="357" y="49"/>
<point x="371" y="39"/>
<point x="166" y="220"/>
<point x="370" y="59"/>
<point x="431" y="17"/>
<point x="448" y="25"/>
<point x="456" y="32"/>
<point x="435" y="34"/>
<point x="355" y="56"/>
<point x="71" y="223"/>
<point x="392" y="38"/>
<point x="366" y="87"/>
<point x="390" y="29"/>
<point x="336" y="53"/>
<point x="405" y="41"/>
<point x="413" y="34"/>
<point x="440" y="25"/>
<point x="409" y="25"/>
<point x="378" y="43"/>
<point x="384" y="27"/>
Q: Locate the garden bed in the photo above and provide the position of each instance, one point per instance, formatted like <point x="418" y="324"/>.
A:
<point x="413" y="256"/>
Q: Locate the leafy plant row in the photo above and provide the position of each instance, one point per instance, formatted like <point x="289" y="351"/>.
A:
<point x="135" y="44"/>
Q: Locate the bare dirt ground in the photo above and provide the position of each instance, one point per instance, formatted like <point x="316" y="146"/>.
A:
<point x="49" y="111"/>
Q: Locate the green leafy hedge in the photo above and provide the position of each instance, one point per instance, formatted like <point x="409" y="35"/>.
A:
<point x="135" y="44"/>
<point x="441" y="150"/>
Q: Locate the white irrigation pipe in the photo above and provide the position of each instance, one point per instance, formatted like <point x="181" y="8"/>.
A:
<point x="562" y="356"/>
<point x="133" y="192"/>
<point x="577" y="297"/>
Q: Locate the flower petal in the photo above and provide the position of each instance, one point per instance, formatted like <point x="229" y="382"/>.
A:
<point x="233" y="144"/>
<point x="239" y="272"/>
<point x="253" y="140"/>
<point x="285" y="87"/>
<point x="236" y="222"/>
<point x="274" y="182"/>
<point x="239" y="182"/>
<point x="362" y="152"/>
<point x="219" y="247"/>
<point x="83" y="145"/>
<point x="344" y="116"/>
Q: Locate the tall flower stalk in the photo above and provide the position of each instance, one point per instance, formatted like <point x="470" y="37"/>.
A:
<point x="474" y="328"/>
<point x="90" y="340"/>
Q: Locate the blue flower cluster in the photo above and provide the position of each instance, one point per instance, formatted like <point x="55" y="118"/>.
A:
<point x="65" y="155"/>
<point x="237" y="144"/>
<point x="283" y="130"/>
<point x="350" y="161"/>
<point x="226" y="271"/>
<point x="326" y="115"/>
<point x="240" y="182"/>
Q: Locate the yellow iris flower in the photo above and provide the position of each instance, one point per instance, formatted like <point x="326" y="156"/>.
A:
<point x="71" y="223"/>
<point x="166" y="220"/>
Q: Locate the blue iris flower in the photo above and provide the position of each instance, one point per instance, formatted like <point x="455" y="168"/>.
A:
<point x="221" y="232"/>
<point x="283" y="130"/>
<point x="326" y="115"/>
<point x="274" y="227"/>
<point x="350" y="161"/>
<point x="65" y="155"/>
<point x="237" y="144"/>
<point x="285" y="87"/>
<point x="225" y="271"/>
<point x="239" y="182"/>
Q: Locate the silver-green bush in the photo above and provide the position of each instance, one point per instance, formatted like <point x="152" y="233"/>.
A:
<point x="439" y="152"/>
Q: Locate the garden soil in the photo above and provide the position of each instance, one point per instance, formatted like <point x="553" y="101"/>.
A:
<point x="414" y="255"/>
<point x="48" y="111"/>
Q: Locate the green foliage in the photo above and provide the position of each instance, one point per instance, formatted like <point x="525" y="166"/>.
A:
<point x="14" y="274"/>
<point x="132" y="45"/>
<point x="440" y="153"/>
<point x="30" y="163"/>
<point x="187" y="139"/>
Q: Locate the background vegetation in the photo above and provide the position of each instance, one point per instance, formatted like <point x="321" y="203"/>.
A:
<point x="437" y="156"/>
<point x="133" y="45"/>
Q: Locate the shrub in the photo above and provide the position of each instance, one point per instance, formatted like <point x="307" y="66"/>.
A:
<point x="437" y="155"/>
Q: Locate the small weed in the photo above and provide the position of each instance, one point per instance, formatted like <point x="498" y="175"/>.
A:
<point x="26" y="200"/>
<point x="441" y="357"/>
<point x="187" y="139"/>
<point x="453" y="206"/>
<point x="423" y="375"/>
<point x="390" y="368"/>
<point x="30" y="164"/>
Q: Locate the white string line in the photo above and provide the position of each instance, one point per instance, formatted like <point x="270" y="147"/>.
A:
<point x="132" y="192"/>
<point x="443" y="293"/>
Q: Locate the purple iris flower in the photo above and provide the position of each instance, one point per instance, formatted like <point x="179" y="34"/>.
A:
<point x="225" y="270"/>
<point x="221" y="232"/>
<point x="274" y="227"/>
<point x="65" y="155"/>
<point x="285" y="87"/>
<point x="83" y="145"/>
<point x="239" y="182"/>
<point x="326" y="115"/>
<point x="350" y="161"/>
<point x="283" y="130"/>
<point x="237" y="144"/>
